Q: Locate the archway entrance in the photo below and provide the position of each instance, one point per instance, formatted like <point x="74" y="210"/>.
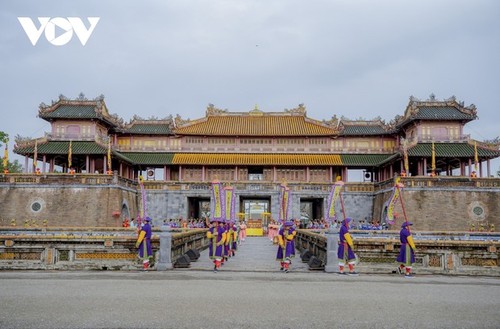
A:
<point x="256" y="212"/>
<point x="198" y="207"/>
<point x="310" y="209"/>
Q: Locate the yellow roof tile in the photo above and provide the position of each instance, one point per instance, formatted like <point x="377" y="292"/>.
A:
<point x="257" y="159"/>
<point x="251" y="125"/>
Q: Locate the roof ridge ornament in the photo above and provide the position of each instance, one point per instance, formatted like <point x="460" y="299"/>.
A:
<point x="256" y="111"/>
<point x="212" y="110"/>
<point x="299" y="110"/>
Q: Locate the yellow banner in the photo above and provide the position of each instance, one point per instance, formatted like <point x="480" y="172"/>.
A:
<point x="229" y="202"/>
<point x="216" y="201"/>
<point x="6" y="157"/>
<point x="109" y="155"/>
<point x="70" y="154"/>
<point x="334" y="194"/>
<point x="476" y="157"/>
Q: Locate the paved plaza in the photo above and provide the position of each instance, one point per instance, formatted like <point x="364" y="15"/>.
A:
<point x="249" y="292"/>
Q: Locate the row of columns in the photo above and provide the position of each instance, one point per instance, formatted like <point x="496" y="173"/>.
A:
<point x="90" y="166"/>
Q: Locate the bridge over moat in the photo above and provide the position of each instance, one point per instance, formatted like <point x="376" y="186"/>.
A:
<point x="255" y="254"/>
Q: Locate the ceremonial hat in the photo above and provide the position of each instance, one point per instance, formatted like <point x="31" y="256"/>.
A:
<point x="288" y="223"/>
<point x="406" y="224"/>
<point x="147" y="219"/>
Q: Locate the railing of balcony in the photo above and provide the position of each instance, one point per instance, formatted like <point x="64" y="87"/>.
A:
<point x="244" y="149"/>
<point x="439" y="138"/>
<point x="102" y="179"/>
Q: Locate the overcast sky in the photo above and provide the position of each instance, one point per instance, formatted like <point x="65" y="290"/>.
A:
<point x="351" y="58"/>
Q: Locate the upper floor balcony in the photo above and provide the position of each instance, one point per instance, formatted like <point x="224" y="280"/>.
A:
<point x="313" y="149"/>
<point x="419" y="182"/>
<point x="439" y="138"/>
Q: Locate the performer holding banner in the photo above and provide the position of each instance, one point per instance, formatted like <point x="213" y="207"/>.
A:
<point x="144" y="244"/>
<point x="217" y="236"/>
<point x="391" y="203"/>
<point x="286" y="234"/>
<point x="332" y="199"/>
<point x="406" y="256"/>
<point x="285" y="246"/>
<point x="345" y="252"/>
<point x="217" y="233"/>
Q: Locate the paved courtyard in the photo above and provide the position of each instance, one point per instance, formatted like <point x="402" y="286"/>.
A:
<point x="243" y="297"/>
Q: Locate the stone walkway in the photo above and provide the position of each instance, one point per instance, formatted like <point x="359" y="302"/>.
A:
<point x="256" y="254"/>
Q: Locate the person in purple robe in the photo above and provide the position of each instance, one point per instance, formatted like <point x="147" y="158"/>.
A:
<point x="234" y="233"/>
<point x="286" y="251"/>
<point x="227" y="251"/>
<point x="345" y="252"/>
<point x="217" y="236"/>
<point x="144" y="244"/>
<point x="406" y="256"/>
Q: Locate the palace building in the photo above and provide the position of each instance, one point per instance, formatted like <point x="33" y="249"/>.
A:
<point x="254" y="151"/>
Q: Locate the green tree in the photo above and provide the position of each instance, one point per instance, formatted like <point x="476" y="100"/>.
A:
<point x="14" y="167"/>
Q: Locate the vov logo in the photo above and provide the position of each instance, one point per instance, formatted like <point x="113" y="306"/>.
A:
<point x="67" y="25"/>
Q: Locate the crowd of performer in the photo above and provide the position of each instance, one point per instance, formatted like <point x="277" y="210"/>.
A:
<point x="226" y="235"/>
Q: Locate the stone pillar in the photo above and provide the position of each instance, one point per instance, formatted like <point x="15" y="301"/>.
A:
<point x="425" y="166"/>
<point x="488" y="168"/>
<point x="26" y="167"/>
<point x="165" y="258"/>
<point x="332" y="246"/>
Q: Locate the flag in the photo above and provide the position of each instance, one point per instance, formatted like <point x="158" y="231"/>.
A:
<point x="6" y="157"/>
<point x="229" y="199"/>
<point x="284" y="202"/>
<point x="216" y="202"/>
<point x="476" y="157"/>
<point x="334" y="194"/>
<point x="391" y="203"/>
<point x="143" y="209"/>
<point x="405" y="154"/>
<point x="433" y="159"/>
<point x="35" y="156"/>
<point x="109" y="155"/>
<point x="70" y="154"/>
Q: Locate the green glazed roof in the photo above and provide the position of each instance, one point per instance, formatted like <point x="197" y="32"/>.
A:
<point x="149" y="129"/>
<point x="63" y="148"/>
<point x="442" y="113"/>
<point x="455" y="150"/>
<point x="363" y="130"/>
<point x="438" y="113"/>
<point x="148" y="158"/>
<point x="365" y="159"/>
<point x="72" y="112"/>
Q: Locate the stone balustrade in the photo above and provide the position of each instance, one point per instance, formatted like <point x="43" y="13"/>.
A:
<point x="114" y="249"/>
<point x="437" y="252"/>
<point x="86" y="248"/>
<point x="367" y="187"/>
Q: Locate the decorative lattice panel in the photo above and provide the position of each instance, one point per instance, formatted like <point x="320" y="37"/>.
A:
<point x="20" y="256"/>
<point x="479" y="262"/>
<point x="109" y="255"/>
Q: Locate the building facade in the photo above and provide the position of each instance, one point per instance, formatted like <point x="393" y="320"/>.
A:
<point x="255" y="151"/>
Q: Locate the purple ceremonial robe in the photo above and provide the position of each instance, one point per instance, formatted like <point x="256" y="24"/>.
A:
<point x="215" y="251"/>
<point x="145" y="247"/>
<point x="235" y="242"/>
<point x="345" y="252"/>
<point x="228" y="239"/>
<point x="406" y="254"/>
<point x="289" y="249"/>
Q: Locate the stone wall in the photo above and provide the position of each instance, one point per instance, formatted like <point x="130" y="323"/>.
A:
<point x="65" y="205"/>
<point x="445" y="209"/>
<point x="444" y="204"/>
